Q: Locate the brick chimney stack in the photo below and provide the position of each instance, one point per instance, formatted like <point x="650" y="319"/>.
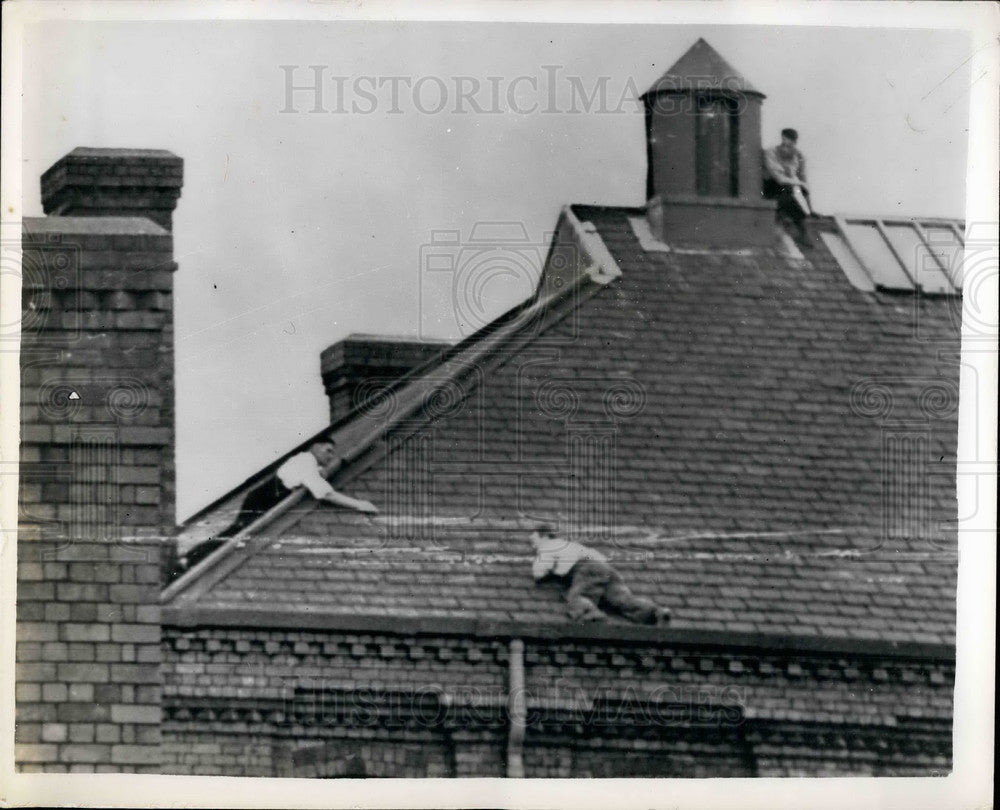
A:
<point x="359" y="367"/>
<point x="97" y="463"/>
<point x="114" y="182"/>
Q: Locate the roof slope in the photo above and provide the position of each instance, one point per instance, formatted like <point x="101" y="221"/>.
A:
<point x="748" y="437"/>
<point x="702" y="68"/>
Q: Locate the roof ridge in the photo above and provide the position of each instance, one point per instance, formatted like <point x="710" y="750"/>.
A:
<point x="356" y="436"/>
<point x="448" y="352"/>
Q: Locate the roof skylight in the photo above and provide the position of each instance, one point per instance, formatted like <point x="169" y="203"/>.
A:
<point x="900" y="255"/>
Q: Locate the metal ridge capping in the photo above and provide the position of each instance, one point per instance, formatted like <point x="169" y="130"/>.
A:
<point x="352" y="438"/>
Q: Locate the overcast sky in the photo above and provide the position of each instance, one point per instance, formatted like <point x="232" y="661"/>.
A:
<point x="297" y="228"/>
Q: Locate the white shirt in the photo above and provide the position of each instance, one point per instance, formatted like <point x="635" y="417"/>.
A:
<point x="303" y="470"/>
<point x="558" y="556"/>
<point x="785" y="166"/>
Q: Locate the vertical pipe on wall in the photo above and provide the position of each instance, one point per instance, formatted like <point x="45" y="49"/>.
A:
<point x="516" y="710"/>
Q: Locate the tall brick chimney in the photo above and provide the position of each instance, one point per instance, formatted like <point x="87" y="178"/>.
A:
<point x="97" y="465"/>
<point x="114" y="182"/>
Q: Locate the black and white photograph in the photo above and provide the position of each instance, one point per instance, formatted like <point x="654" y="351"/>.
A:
<point x="474" y="405"/>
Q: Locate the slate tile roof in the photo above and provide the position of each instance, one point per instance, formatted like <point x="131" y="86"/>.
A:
<point x="753" y="442"/>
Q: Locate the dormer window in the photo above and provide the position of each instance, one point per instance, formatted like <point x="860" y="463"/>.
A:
<point x="717" y="147"/>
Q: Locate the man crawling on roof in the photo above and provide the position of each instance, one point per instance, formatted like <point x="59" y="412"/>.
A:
<point x="303" y="469"/>
<point x="591" y="583"/>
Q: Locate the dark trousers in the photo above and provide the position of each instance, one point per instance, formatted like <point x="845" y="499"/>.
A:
<point x="595" y="585"/>
<point x="788" y="209"/>
<point x="257" y="501"/>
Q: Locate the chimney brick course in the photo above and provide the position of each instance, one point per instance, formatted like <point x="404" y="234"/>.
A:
<point x="96" y="501"/>
<point x="359" y="367"/>
<point x="114" y="182"/>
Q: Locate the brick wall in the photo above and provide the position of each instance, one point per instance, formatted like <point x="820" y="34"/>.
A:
<point x="115" y="182"/>
<point x="359" y="367"/>
<point x="678" y="755"/>
<point x="920" y="748"/>
<point x="727" y="713"/>
<point x="96" y="494"/>
<point x="703" y="683"/>
<point x="330" y="703"/>
<point x="88" y="681"/>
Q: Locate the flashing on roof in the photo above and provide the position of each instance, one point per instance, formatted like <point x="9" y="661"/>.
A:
<point x="650" y="243"/>
<point x="787" y="245"/>
<point x="647" y="239"/>
<point x="602" y="269"/>
<point x="690" y="251"/>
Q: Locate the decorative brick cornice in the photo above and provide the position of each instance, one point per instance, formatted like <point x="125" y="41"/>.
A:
<point x="114" y="182"/>
<point x="725" y="642"/>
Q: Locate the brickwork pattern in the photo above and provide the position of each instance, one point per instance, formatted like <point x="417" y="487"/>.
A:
<point x="333" y="703"/>
<point x="369" y="696"/>
<point x="602" y="757"/>
<point x="360" y="367"/>
<point x="115" y="182"/>
<point x="88" y="657"/>
<point x="799" y="687"/>
<point x="272" y="664"/>
<point x="909" y="749"/>
<point x="96" y="492"/>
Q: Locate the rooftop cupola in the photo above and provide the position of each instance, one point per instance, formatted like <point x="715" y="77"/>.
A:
<point x="703" y="147"/>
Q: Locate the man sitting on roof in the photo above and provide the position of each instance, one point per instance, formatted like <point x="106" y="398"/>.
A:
<point x="303" y="469"/>
<point x="592" y="583"/>
<point x="785" y="182"/>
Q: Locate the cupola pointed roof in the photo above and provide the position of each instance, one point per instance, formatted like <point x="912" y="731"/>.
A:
<point x="702" y="68"/>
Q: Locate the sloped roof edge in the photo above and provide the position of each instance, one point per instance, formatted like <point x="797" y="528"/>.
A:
<point x="702" y="68"/>
<point x="353" y="437"/>
<point x="446" y="354"/>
